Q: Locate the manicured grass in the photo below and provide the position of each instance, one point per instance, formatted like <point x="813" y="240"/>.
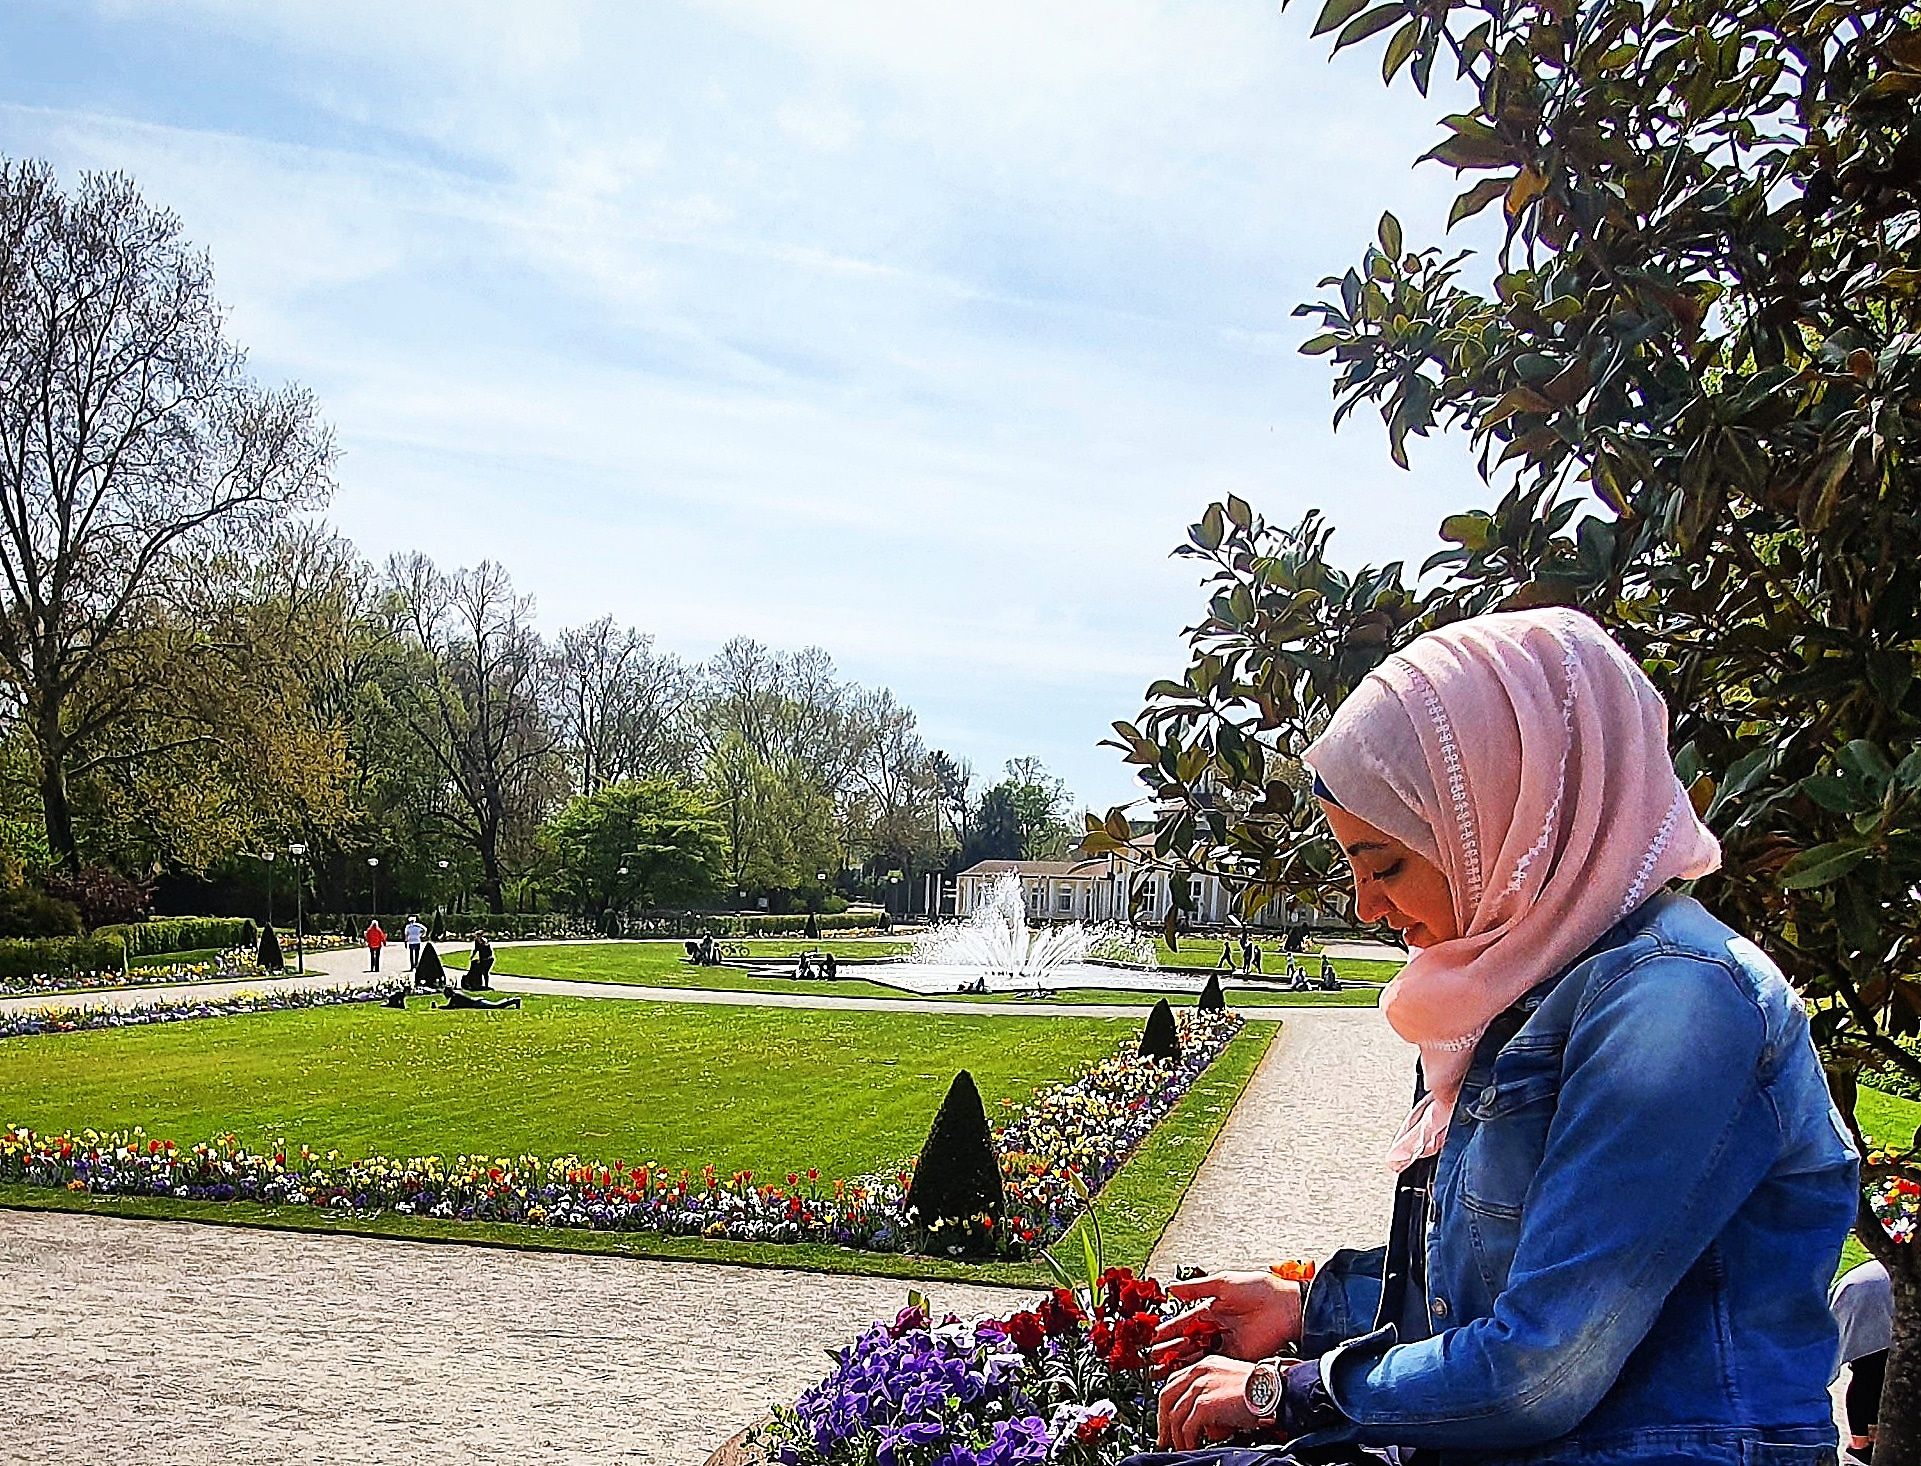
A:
<point x="677" y="1084"/>
<point x="663" y="964"/>
<point x="1204" y="953"/>
<point x="1135" y="1207"/>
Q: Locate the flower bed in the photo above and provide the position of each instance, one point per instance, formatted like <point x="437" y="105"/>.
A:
<point x="32" y="1022"/>
<point x="242" y="962"/>
<point x="1063" y="1382"/>
<point x="1080" y="1130"/>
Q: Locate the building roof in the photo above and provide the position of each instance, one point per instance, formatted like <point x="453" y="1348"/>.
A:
<point x="1085" y="870"/>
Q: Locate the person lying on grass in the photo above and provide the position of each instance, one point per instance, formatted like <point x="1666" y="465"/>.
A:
<point x="1622" y="1189"/>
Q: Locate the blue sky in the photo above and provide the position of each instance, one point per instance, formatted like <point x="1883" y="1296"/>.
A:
<point x="918" y="332"/>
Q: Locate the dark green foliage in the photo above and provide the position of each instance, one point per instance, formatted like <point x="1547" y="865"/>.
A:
<point x="430" y="973"/>
<point x="1159" y="1039"/>
<point x="60" y="957"/>
<point x="271" y="957"/>
<point x="1212" y="999"/>
<point x="25" y="912"/>
<point x="958" y="1178"/>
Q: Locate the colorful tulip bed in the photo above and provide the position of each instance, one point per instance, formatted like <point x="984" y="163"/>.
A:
<point x="1065" y="1382"/>
<point x="1897" y="1203"/>
<point x="32" y="1022"/>
<point x="1066" y="1142"/>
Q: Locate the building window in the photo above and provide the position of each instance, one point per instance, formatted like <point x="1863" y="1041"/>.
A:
<point x="1067" y="900"/>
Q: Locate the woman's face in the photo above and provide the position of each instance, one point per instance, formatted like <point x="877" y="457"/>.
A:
<point x="1394" y="884"/>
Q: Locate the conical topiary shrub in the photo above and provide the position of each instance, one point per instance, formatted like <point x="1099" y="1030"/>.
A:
<point x="428" y="973"/>
<point x="610" y="923"/>
<point x="438" y="931"/>
<point x="271" y="957"/>
<point x="957" y="1181"/>
<point x="1158" y="1039"/>
<point x="1212" y="999"/>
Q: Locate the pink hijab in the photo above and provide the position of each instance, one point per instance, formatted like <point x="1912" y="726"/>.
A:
<point x="1525" y="754"/>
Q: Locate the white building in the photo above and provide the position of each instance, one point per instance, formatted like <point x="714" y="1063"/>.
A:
<point x="1104" y="887"/>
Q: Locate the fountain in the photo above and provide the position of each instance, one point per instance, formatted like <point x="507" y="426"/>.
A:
<point x="995" y="950"/>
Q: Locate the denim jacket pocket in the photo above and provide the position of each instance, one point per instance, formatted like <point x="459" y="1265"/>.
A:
<point x="1511" y="1114"/>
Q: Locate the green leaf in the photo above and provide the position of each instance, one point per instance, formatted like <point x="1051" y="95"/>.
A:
<point x="1472" y="530"/>
<point x="1363" y="26"/>
<point x="1823" y="865"/>
<point x="1321" y="344"/>
<point x="1395" y="57"/>
<point x="1867" y="762"/>
<point x="1476" y="199"/>
<point x="1334" y="13"/>
<point x="1390" y="231"/>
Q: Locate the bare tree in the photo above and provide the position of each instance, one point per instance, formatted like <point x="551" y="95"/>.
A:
<point x="131" y="436"/>
<point x="482" y="716"/>
<point x="624" y="710"/>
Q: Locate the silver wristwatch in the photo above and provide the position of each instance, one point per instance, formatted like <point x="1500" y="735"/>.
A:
<point x="1262" y="1392"/>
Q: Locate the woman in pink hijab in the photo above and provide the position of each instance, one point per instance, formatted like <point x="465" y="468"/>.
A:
<point x="1622" y="1188"/>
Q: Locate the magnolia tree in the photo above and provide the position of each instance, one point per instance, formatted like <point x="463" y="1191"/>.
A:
<point x="1698" y="365"/>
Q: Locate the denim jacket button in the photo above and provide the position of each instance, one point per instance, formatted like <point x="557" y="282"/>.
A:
<point x="1440" y="1307"/>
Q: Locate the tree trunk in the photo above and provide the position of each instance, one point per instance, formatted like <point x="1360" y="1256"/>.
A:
<point x="1899" y="1440"/>
<point x="58" y="811"/>
<point x="491" y="889"/>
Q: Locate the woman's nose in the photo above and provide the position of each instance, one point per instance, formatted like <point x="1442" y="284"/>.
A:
<point x="1369" y="904"/>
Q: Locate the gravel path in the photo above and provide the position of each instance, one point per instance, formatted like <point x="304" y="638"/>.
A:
<point x="174" y="1342"/>
<point x="1298" y="1170"/>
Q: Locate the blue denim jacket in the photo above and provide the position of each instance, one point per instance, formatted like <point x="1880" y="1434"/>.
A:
<point x="1633" y="1224"/>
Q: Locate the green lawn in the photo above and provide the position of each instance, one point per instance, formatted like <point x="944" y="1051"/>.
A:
<point x="663" y="964"/>
<point x="1204" y="953"/>
<point x="766" y="1089"/>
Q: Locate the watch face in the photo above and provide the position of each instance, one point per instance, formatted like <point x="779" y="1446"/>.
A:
<point x="1263" y="1390"/>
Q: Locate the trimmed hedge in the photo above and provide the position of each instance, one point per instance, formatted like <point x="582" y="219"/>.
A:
<point x="530" y="926"/>
<point x="181" y="934"/>
<point x="59" y="956"/>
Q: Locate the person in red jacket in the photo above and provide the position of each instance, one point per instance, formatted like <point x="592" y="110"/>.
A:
<point x="376" y="939"/>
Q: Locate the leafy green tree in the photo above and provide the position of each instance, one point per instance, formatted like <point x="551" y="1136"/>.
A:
<point x="1700" y="363"/>
<point x="648" y="843"/>
<point x="131" y="438"/>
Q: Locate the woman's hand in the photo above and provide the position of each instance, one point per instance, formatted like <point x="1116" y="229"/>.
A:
<point x="1240" y="1315"/>
<point x="1204" y="1403"/>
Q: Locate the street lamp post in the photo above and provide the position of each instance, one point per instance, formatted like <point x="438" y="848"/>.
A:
<point x="443" y="882"/>
<point x="299" y="853"/>
<point x="373" y="876"/>
<point x="267" y="857"/>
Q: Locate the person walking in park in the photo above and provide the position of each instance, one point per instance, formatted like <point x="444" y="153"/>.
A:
<point x="1226" y="964"/>
<point x="1622" y="1187"/>
<point x="376" y="939"/>
<point x="415" y="934"/>
<point x="1863" y="1307"/>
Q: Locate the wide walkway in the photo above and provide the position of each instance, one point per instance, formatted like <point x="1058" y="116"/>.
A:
<point x="1299" y="1171"/>
<point x="171" y="1342"/>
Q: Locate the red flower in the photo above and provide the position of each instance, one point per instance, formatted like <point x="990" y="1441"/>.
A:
<point x="1061" y="1313"/>
<point x="1131" y="1338"/>
<point x="1027" y="1331"/>
<point x="1093" y="1428"/>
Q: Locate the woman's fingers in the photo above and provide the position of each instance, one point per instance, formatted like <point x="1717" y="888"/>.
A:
<point x="1190" y="1289"/>
<point x="1176" y="1324"/>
